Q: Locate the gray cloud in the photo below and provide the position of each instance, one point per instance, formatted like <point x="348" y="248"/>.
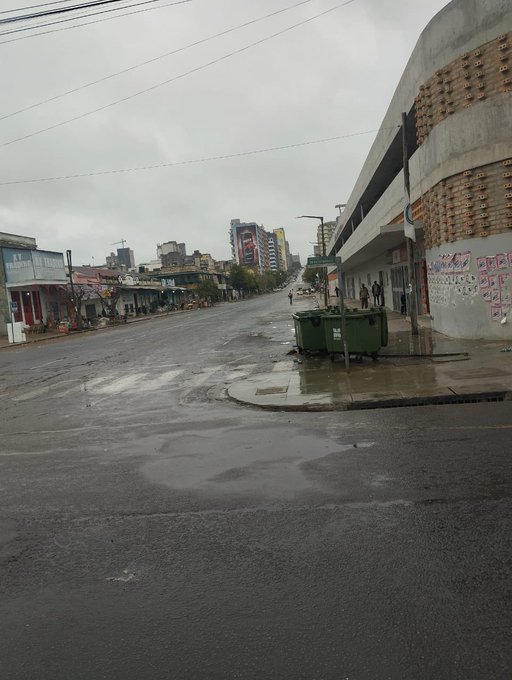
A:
<point x="332" y="76"/>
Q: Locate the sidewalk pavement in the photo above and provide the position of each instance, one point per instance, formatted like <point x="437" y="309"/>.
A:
<point x="412" y="370"/>
<point x="53" y="335"/>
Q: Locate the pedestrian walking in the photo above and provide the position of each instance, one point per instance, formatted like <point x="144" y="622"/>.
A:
<point x="290" y="297"/>
<point x="376" y="290"/>
<point x="364" y="296"/>
<point x="337" y="291"/>
<point x="403" y="304"/>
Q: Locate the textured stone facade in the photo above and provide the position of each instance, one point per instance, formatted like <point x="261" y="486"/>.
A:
<point x="475" y="76"/>
<point x="475" y="203"/>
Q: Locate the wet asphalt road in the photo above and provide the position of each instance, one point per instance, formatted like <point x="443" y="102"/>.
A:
<point x="151" y="529"/>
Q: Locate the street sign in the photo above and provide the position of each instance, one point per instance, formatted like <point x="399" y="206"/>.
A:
<point x="326" y="261"/>
<point x="14" y="307"/>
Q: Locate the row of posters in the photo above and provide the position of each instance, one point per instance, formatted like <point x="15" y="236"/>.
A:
<point x="496" y="284"/>
<point x="450" y="263"/>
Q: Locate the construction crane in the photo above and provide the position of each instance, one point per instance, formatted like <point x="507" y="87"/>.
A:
<point x="122" y="241"/>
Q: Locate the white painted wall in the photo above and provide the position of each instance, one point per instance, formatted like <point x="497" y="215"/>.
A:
<point x="457" y="302"/>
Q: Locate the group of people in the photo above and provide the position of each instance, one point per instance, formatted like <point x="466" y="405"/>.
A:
<point x="364" y="295"/>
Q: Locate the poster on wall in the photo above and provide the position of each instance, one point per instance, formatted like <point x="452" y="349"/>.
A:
<point x="502" y="260"/>
<point x="496" y="313"/>
<point x="481" y="265"/>
<point x="483" y="282"/>
<point x="492" y="263"/>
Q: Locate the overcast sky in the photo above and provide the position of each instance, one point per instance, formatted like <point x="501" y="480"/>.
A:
<point x="332" y="76"/>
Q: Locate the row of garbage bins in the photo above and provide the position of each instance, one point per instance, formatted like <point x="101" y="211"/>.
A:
<point x="321" y="331"/>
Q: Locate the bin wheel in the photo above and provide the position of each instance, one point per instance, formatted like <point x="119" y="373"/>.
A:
<point x="300" y="350"/>
<point x="359" y="358"/>
<point x="375" y="356"/>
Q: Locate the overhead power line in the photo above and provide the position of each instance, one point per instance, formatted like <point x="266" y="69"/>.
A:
<point x="57" y="10"/>
<point x="202" y="41"/>
<point x="89" y="23"/>
<point x="42" y="4"/>
<point x="178" y="77"/>
<point x="90" y="14"/>
<point x="207" y="159"/>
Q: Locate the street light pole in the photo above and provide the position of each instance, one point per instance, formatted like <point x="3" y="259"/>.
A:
<point x="319" y="217"/>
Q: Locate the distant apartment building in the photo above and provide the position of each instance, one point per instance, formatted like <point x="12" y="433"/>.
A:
<point x="329" y="229"/>
<point x="171" y="247"/>
<point x="273" y="253"/>
<point x="281" y="249"/>
<point x="125" y="258"/>
<point x="248" y="243"/>
<point x="257" y="249"/>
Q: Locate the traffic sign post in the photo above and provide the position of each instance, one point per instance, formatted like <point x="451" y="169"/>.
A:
<point x="325" y="261"/>
<point x="14" y="309"/>
<point x="343" y="317"/>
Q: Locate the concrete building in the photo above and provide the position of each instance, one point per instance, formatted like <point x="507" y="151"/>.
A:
<point x="126" y="258"/>
<point x="248" y="245"/>
<point x="281" y="249"/>
<point x="32" y="284"/>
<point x="329" y="229"/>
<point x="273" y="259"/>
<point x="457" y="92"/>
<point x="171" y="247"/>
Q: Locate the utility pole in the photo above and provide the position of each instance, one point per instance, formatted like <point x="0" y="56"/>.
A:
<point x="78" y="317"/>
<point x="413" y="304"/>
<point x="342" y="314"/>
<point x="326" y="292"/>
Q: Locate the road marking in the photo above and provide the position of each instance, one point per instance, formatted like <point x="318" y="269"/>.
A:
<point x="43" y="390"/>
<point x="48" y="363"/>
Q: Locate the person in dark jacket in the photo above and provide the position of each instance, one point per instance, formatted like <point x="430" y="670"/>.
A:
<point x="376" y="293"/>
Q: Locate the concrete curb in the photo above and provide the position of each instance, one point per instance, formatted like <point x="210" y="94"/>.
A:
<point x="392" y="402"/>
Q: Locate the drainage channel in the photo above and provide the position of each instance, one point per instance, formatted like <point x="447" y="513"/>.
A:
<point x="445" y="399"/>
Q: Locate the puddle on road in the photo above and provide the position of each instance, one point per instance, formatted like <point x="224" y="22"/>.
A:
<point x="243" y="462"/>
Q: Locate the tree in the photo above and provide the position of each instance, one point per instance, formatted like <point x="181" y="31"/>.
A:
<point x="240" y="279"/>
<point x="109" y="296"/>
<point x="76" y="294"/>
<point x="311" y="273"/>
<point x="208" y="289"/>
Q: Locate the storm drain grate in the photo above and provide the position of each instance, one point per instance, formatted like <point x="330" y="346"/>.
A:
<point x="441" y="400"/>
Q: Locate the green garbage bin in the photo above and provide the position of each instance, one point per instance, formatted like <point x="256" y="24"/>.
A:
<point x="367" y="331"/>
<point x="309" y="330"/>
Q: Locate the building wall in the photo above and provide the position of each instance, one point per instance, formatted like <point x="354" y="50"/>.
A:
<point x="281" y="248"/>
<point x="126" y="257"/>
<point x="459" y="81"/>
<point x="5" y="313"/>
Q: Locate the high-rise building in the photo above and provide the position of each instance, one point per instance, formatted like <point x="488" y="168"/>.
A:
<point x="171" y="247"/>
<point x="281" y="249"/>
<point x="248" y="245"/>
<point x="126" y="258"/>
<point x="273" y="258"/>
<point x="329" y="229"/>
